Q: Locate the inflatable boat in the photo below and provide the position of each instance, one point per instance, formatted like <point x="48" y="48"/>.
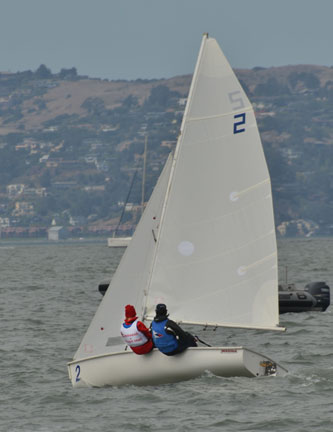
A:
<point x="315" y="296"/>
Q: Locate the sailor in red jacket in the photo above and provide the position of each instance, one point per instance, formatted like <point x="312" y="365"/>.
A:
<point x="135" y="334"/>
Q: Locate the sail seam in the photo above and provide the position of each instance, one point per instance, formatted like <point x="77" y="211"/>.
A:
<point x="193" y="119"/>
<point x="262" y="260"/>
<point x="253" y="203"/>
<point x="255" y="186"/>
<point x="234" y="285"/>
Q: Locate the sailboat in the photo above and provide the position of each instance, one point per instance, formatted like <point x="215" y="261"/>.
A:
<point x="205" y="246"/>
<point x="116" y="241"/>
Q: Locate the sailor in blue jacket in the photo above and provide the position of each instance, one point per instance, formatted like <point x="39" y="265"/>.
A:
<point x="168" y="337"/>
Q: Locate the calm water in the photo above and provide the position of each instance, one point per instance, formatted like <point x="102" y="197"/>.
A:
<point x="48" y="296"/>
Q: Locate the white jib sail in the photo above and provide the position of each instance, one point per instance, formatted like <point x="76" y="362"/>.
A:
<point x="216" y="258"/>
<point x="130" y="280"/>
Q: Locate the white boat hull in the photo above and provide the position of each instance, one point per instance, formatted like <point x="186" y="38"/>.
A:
<point x="119" y="241"/>
<point x="155" y="368"/>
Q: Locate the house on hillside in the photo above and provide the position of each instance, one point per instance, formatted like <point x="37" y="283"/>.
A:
<point x="77" y="220"/>
<point x="56" y="233"/>
<point x="14" y="190"/>
<point x="23" y="208"/>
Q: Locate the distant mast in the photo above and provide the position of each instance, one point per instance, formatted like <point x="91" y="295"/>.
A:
<point x="144" y="175"/>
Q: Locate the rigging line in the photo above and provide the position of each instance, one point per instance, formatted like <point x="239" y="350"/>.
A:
<point x="162" y="180"/>
<point x="170" y="161"/>
<point x="203" y="342"/>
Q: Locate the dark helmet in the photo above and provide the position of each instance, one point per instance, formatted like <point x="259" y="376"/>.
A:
<point x="161" y="309"/>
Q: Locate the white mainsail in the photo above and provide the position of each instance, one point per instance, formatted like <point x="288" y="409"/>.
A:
<point x="205" y="245"/>
<point x="216" y="259"/>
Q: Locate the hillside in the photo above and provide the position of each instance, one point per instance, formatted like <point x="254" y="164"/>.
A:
<point x="46" y="99"/>
<point x="70" y="145"/>
<point x="41" y="101"/>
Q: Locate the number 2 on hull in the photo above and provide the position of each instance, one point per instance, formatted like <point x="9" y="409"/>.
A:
<point x="77" y="370"/>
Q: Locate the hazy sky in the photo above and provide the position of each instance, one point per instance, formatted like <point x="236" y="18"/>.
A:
<point x="130" y="39"/>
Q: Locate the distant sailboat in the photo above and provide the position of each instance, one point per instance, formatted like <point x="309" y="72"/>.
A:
<point x="116" y="241"/>
<point x="119" y="241"/>
<point x="205" y="246"/>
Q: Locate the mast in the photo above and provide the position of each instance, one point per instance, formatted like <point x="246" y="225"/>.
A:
<point x="194" y="80"/>
<point x="124" y="206"/>
<point x="174" y="162"/>
<point x="144" y="176"/>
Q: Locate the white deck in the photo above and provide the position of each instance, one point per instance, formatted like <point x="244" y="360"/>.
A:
<point x="155" y="368"/>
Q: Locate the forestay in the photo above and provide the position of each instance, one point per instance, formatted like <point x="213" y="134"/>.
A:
<point x="216" y="257"/>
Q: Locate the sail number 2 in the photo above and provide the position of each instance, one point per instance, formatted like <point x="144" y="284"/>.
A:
<point x="237" y="103"/>
<point x="239" y="122"/>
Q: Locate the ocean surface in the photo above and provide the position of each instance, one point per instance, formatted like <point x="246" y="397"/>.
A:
<point x="49" y="293"/>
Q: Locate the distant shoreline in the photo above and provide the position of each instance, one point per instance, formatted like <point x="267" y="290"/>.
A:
<point x="38" y="241"/>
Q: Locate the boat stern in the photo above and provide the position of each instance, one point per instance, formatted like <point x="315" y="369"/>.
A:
<point x="260" y="365"/>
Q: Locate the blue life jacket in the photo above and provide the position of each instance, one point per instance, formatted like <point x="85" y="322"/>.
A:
<point x="163" y="341"/>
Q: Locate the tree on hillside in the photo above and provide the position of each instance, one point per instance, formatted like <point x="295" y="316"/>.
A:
<point x="160" y="96"/>
<point x="279" y="169"/>
<point x="12" y="164"/>
<point x="45" y="178"/>
<point x="43" y="72"/>
<point x="94" y="105"/>
<point x="309" y="80"/>
<point x="130" y="102"/>
<point x="245" y="88"/>
<point x="68" y="73"/>
<point x="271" y="88"/>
